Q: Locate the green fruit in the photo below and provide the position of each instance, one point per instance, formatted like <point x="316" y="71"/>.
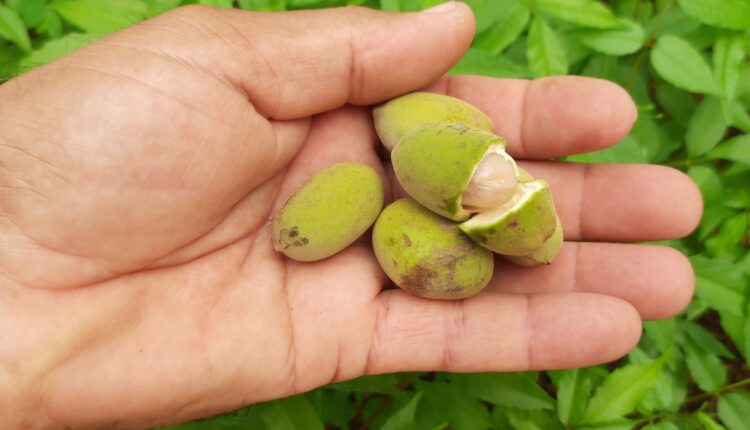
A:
<point x="427" y="255"/>
<point x="518" y="227"/>
<point x="545" y="254"/>
<point x="435" y="163"/>
<point x="394" y="119"/>
<point x="329" y="212"/>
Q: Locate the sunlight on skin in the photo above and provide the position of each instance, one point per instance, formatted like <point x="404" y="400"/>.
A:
<point x="138" y="284"/>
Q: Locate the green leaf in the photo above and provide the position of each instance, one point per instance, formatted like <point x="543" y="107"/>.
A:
<point x="708" y="422"/>
<point x="533" y="420"/>
<point x="544" y="50"/>
<point x="622" y="391"/>
<point x="334" y="407"/>
<point x="705" y="340"/>
<point x="739" y="117"/>
<point x="507" y="28"/>
<point x="573" y="391"/>
<point x="729" y="53"/>
<point x="734" y="410"/>
<point x="292" y="413"/>
<point x="733" y="14"/>
<point x="101" y="16"/>
<point x="263" y="5"/>
<point x="584" y="13"/>
<point x="448" y="402"/>
<point x="490" y="12"/>
<point x="720" y="285"/>
<point x="629" y="150"/>
<point x="13" y="28"/>
<point x="734" y="327"/>
<point x="219" y="3"/>
<point x="662" y="425"/>
<point x="477" y="62"/>
<point x="705" y="368"/>
<point x="403" y="419"/>
<point x="32" y="12"/>
<point x="680" y="64"/>
<point x="626" y="39"/>
<point x="513" y="390"/>
<point x="730" y="235"/>
<point x="706" y="128"/>
<point x="390" y="5"/>
<point x="677" y="103"/>
<point x="735" y="149"/>
<point x="383" y="384"/>
<point x="55" y="49"/>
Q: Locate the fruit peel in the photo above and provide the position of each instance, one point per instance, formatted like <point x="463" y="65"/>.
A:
<point x="435" y="162"/>
<point x="427" y="255"/>
<point x="519" y="229"/>
<point x="328" y="212"/>
<point x="395" y="118"/>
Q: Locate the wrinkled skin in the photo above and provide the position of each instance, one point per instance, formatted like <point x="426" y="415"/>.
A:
<point x="138" y="284"/>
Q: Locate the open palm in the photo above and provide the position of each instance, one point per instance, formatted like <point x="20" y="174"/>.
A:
<point x="138" y="283"/>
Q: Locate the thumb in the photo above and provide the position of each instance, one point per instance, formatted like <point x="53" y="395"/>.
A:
<point x="301" y="63"/>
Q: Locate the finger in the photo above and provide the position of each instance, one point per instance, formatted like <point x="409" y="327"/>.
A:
<point x="657" y="280"/>
<point x="615" y="202"/>
<point x="548" y="117"/>
<point x="500" y="332"/>
<point x="300" y="63"/>
<point x="621" y="202"/>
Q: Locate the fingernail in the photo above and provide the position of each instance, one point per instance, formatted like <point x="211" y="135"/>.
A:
<point x="445" y="7"/>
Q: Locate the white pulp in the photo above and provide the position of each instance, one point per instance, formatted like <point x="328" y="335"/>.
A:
<point x="494" y="183"/>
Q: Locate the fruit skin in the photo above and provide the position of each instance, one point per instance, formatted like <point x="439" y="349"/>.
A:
<point x="427" y="255"/>
<point x="545" y="254"/>
<point x="523" y="230"/>
<point x="329" y="212"/>
<point x="434" y="163"/>
<point x="395" y="118"/>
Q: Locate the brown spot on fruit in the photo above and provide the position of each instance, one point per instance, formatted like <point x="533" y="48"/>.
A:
<point x="418" y="279"/>
<point x="407" y="241"/>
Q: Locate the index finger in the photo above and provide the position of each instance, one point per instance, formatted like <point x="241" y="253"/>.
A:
<point x="548" y="117"/>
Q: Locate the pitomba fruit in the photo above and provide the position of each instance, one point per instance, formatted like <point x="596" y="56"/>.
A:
<point x="427" y="255"/>
<point x="397" y="117"/>
<point x="329" y="212"/>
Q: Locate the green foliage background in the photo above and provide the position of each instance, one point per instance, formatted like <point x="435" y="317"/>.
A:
<point x="685" y="63"/>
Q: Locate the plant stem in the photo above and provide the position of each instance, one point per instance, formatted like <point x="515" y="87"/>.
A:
<point x="719" y="391"/>
<point x="649" y="43"/>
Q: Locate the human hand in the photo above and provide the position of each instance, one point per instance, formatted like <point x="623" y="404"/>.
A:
<point x="138" y="283"/>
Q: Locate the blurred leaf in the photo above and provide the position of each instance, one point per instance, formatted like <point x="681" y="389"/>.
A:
<point x="629" y="150"/>
<point x="292" y="413"/>
<point x="671" y="21"/>
<point x="662" y="332"/>
<point x="489" y="13"/>
<point x="52" y="24"/>
<point x="335" y="408"/>
<point x="219" y="3"/>
<point x="678" y="103"/>
<point x="724" y="288"/>
<point x="513" y="390"/>
<point x="735" y="149"/>
<point x="734" y="326"/>
<point x="626" y="39"/>
<point x="101" y="16"/>
<point x="720" y="13"/>
<point x="585" y="13"/>
<point x="709" y="422"/>
<point x="390" y="5"/>
<point x="383" y="384"/>
<point x="730" y="234"/>
<point x="476" y="62"/>
<point x="573" y="392"/>
<point x="263" y="5"/>
<point x="55" y="49"/>
<point x="706" y="128"/>
<point x="739" y="116"/>
<point x="662" y="425"/>
<point x="533" y="420"/>
<point x="682" y="65"/>
<point x="729" y="53"/>
<point x="734" y="410"/>
<point x="705" y="368"/>
<point x="403" y="419"/>
<point x="508" y="26"/>
<point x="544" y="51"/>
<point x="705" y="340"/>
<point x="621" y="392"/>
<point x="619" y="424"/>
<point x="12" y="28"/>
<point x="32" y="12"/>
<point x="447" y="402"/>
